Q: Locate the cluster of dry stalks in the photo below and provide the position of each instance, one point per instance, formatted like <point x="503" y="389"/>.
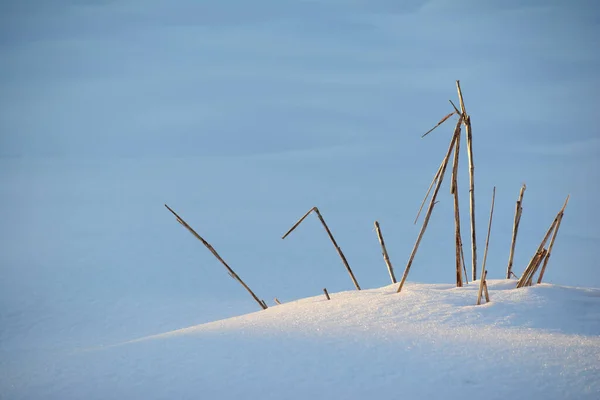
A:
<point x="540" y="258"/>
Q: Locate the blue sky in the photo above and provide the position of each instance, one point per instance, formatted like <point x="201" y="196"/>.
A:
<point x="242" y="116"/>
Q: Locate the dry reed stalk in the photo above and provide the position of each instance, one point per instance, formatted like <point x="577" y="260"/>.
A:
<point x="561" y="214"/>
<point x="537" y="264"/>
<point x="386" y="258"/>
<point x="518" y="213"/>
<point x="338" y="249"/>
<point x="214" y="252"/>
<point x="527" y="276"/>
<point x="454" y="192"/>
<point x="438" y="124"/>
<point x="464" y="267"/>
<point x="455" y="109"/>
<point x="485" y="290"/>
<point x="326" y="294"/>
<point x="530" y="267"/>
<point x="277" y="300"/>
<point x="298" y="222"/>
<point x="431" y="204"/>
<point x="487" y="240"/>
<point x="481" y="286"/>
<point x="467" y="121"/>
<point x="435" y="178"/>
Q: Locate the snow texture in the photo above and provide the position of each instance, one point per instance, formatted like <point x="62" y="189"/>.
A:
<point x="430" y="342"/>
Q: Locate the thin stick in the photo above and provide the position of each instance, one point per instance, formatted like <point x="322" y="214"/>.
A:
<point x="455" y="160"/>
<point x="435" y="178"/>
<point x="525" y="277"/>
<point x="264" y="304"/>
<point x="386" y="258"/>
<point x="277" y="300"/>
<point x="549" y="251"/>
<point x="481" y="285"/>
<point x="457" y="234"/>
<point x="485" y="291"/>
<point x="487" y="241"/>
<point x="462" y="258"/>
<point x="438" y="124"/>
<point x="455" y="109"/>
<point x="326" y="294"/>
<point x="452" y="189"/>
<point x="463" y="112"/>
<point x="298" y="222"/>
<point x="562" y="213"/>
<point x="431" y="204"/>
<point x="339" y="250"/>
<point x="537" y="264"/>
<point x="518" y="212"/>
<point x="212" y="250"/>
<point x="467" y="121"/>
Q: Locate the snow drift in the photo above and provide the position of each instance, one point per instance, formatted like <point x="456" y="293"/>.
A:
<point x="429" y="342"/>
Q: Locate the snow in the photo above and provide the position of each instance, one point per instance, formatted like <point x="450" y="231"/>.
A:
<point x="431" y="341"/>
<point x="242" y="115"/>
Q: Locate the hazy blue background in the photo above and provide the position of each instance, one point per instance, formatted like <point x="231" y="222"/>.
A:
<point x="241" y="115"/>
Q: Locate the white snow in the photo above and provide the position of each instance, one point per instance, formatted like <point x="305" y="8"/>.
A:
<point x="429" y="342"/>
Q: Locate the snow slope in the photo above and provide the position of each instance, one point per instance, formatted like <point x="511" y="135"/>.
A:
<point x="429" y="342"/>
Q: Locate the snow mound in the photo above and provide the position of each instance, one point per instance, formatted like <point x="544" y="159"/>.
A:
<point x="431" y="341"/>
<point x="421" y="308"/>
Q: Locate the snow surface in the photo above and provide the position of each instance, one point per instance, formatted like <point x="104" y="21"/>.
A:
<point x="429" y="342"/>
